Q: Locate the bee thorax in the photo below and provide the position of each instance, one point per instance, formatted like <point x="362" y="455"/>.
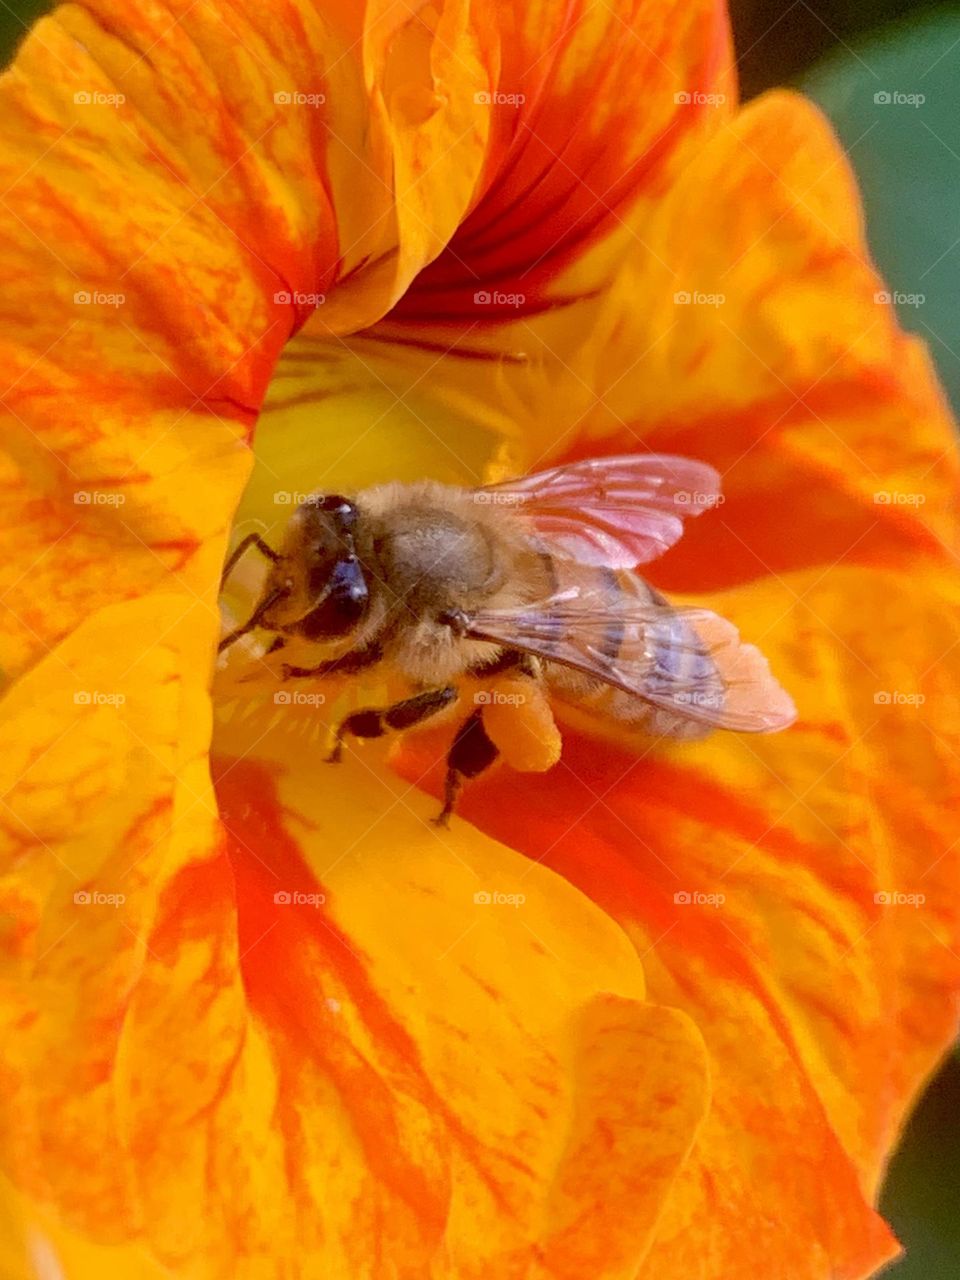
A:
<point x="426" y="652"/>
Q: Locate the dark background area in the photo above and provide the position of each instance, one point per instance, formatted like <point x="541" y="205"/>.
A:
<point x="777" y="40"/>
<point x="840" y="51"/>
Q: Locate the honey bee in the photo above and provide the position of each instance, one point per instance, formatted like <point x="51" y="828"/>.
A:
<point x="536" y="578"/>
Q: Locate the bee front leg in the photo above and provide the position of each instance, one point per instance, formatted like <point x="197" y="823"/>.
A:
<point x="251" y="540"/>
<point x="471" y="753"/>
<point x="376" y="721"/>
<point x="254" y="620"/>
<point x="347" y="664"/>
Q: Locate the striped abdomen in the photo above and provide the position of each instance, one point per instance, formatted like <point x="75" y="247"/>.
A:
<point x="661" y="653"/>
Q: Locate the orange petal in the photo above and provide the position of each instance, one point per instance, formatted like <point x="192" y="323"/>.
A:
<point x="173" y="263"/>
<point x="753" y="873"/>
<point x="777" y="364"/>
<point x="403" y="1078"/>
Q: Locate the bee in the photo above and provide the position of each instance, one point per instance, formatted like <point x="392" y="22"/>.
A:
<point x="536" y="579"/>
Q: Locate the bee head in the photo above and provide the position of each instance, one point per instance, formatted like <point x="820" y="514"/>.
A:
<point x="333" y="587"/>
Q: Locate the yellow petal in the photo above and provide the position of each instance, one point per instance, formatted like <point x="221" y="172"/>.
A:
<point x="280" y="1051"/>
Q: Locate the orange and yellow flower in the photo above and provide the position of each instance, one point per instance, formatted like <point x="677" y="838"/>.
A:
<point x="259" y="1019"/>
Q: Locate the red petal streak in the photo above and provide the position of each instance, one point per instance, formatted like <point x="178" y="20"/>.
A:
<point x="287" y="958"/>
<point x="555" y="188"/>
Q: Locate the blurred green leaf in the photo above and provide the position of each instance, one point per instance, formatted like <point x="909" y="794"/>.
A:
<point x="779" y="40"/>
<point x="16" y="18"/>
<point x="895" y="102"/>
<point x="922" y="1190"/>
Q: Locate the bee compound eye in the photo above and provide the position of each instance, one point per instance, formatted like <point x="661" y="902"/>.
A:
<point x="344" y="603"/>
<point x="341" y="508"/>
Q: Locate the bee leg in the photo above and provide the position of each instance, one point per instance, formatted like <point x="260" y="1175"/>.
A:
<point x="374" y="722"/>
<point x="348" y="664"/>
<point x="254" y="620"/>
<point x="251" y="540"/>
<point x="471" y="753"/>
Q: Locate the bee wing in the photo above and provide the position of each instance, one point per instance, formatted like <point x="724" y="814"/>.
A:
<point x="690" y="662"/>
<point x="618" y="512"/>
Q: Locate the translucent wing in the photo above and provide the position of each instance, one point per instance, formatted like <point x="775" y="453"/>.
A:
<point x="690" y="662"/>
<point x="618" y="511"/>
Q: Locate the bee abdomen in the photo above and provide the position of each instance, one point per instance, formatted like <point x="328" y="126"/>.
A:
<point x="666" y="656"/>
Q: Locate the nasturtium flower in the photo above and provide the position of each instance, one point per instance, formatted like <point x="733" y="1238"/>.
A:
<point x="658" y="1012"/>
